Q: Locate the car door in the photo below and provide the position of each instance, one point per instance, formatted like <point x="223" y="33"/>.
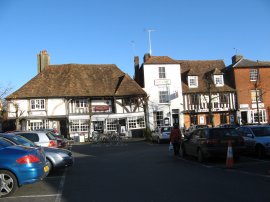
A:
<point x="191" y="145"/>
<point x="249" y="138"/>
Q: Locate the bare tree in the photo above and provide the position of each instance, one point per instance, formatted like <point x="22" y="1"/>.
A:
<point x="3" y="104"/>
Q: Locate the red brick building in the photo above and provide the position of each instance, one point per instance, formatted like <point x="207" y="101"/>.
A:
<point x="252" y="86"/>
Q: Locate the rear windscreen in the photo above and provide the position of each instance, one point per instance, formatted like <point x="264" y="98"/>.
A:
<point x="223" y="132"/>
<point x="51" y="136"/>
<point x="166" y="129"/>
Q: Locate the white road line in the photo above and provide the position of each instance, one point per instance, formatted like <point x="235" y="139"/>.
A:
<point x="31" y="196"/>
<point x="61" y="187"/>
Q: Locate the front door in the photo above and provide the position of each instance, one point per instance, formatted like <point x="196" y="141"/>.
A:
<point x="244" y="117"/>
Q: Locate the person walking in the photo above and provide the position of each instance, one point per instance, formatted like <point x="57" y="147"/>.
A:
<point x="175" y="139"/>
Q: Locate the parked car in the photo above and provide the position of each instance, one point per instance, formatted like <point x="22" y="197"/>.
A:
<point x="61" y="141"/>
<point x="194" y="127"/>
<point x="41" y="138"/>
<point x="161" y="134"/>
<point x="212" y="142"/>
<point x="257" y="139"/>
<point x="228" y="125"/>
<point x="20" y="165"/>
<point x="56" y="157"/>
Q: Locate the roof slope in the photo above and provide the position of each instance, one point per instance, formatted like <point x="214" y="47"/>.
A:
<point x="202" y="68"/>
<point x="250" y="63"/>
<point x="79" y="80"/>
<point x="160" y="60"/>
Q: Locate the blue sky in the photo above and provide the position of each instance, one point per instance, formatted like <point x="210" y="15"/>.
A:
<point x="113" y="32"/>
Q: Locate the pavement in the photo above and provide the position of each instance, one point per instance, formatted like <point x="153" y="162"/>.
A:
<point x="126" y="140"/>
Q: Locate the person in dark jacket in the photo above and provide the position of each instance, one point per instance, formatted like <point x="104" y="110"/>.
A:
<point x="175" y="139"/>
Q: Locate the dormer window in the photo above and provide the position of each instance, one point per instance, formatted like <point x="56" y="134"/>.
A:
<point x="218" y="80"/>
<point x="193" y="81"/>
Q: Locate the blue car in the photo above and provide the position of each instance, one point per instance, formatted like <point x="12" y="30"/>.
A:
<point x="56" y="157"/>
<point x="19" y="166"/>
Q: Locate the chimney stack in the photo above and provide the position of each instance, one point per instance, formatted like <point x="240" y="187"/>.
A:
<point x="136" y="65"/>
<point x="236" y="58"/>
<point x="43" y="60"/>
<point x="146" y="57"/>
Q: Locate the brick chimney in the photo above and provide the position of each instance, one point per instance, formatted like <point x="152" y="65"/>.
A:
<point x="43" y="60"/>
<point x="236" y="58"/>
<point x="146" y="57"/>
<point x="136" y="65"/>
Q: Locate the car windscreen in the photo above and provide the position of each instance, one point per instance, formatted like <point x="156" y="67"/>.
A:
<point x="50" y="136"/>
<point x="261" y="131"/>
<point x="223" y="132"/>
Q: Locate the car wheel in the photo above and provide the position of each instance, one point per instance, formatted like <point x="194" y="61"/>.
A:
<point x="260" y="151"/>
<point x="50" y="165"/>
<point x="200" y="156"/>
<point x="8" y="183"/>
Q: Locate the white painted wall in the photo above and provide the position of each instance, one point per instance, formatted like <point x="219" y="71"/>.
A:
<point x="56" y="107"/>
<point x="23" y="108"/>
<point x="173" y="73"/>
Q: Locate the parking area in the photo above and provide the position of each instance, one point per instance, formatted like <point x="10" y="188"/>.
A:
<point x="51" y="188"/>
<point x="246" y="164"/>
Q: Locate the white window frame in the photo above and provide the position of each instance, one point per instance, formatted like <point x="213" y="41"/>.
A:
<point x="219" y="80"/>
<point x="262" y="113"/>
<point x="193" y="81"/>
<point x="163" y="96"/>
<point x="38" y="124"/>
<point x="111" y="124"/>
<point x="253" y="74"/>
<point x="79" y="125"/>
<point x="161" y="72"/>
<point x="37" y="104"/>
<point x="253" y="96"/>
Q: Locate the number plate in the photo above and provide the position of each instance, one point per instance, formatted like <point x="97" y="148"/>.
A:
<point x="46" y="169"/>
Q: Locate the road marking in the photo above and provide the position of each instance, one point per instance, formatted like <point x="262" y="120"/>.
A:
<point x="61" y="187"/>
<point x="248" y="173"/>
<point x="30" y="196"/>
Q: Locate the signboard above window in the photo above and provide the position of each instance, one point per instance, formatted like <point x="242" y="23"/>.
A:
<point x="159" y="82"/>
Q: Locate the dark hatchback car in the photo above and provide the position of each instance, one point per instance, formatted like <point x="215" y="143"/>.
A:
<point x="212" y="142"/>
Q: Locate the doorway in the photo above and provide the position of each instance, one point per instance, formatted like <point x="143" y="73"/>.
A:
<point x="244" y="117"/>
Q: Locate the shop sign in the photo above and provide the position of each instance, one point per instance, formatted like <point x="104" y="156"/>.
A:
<point x="101" y="108"/>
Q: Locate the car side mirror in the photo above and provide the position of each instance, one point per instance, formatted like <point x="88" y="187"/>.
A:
<point x="250" y="135"/>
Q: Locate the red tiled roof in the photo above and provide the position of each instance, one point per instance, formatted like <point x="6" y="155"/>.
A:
<point x="160" y="60"/>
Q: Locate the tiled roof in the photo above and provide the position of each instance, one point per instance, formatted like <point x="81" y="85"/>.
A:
<point x="79" y="80"/>
<point x="160" y="60"/>
<point x="250" y="63"/>
<point x="202" y="69"/>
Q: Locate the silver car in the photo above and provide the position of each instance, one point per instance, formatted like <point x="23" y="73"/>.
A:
<point x="257" y="139"/>
<point x="56" y="157"/>
<point x="41" y="138"/>
<point x="161" y="134"/>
